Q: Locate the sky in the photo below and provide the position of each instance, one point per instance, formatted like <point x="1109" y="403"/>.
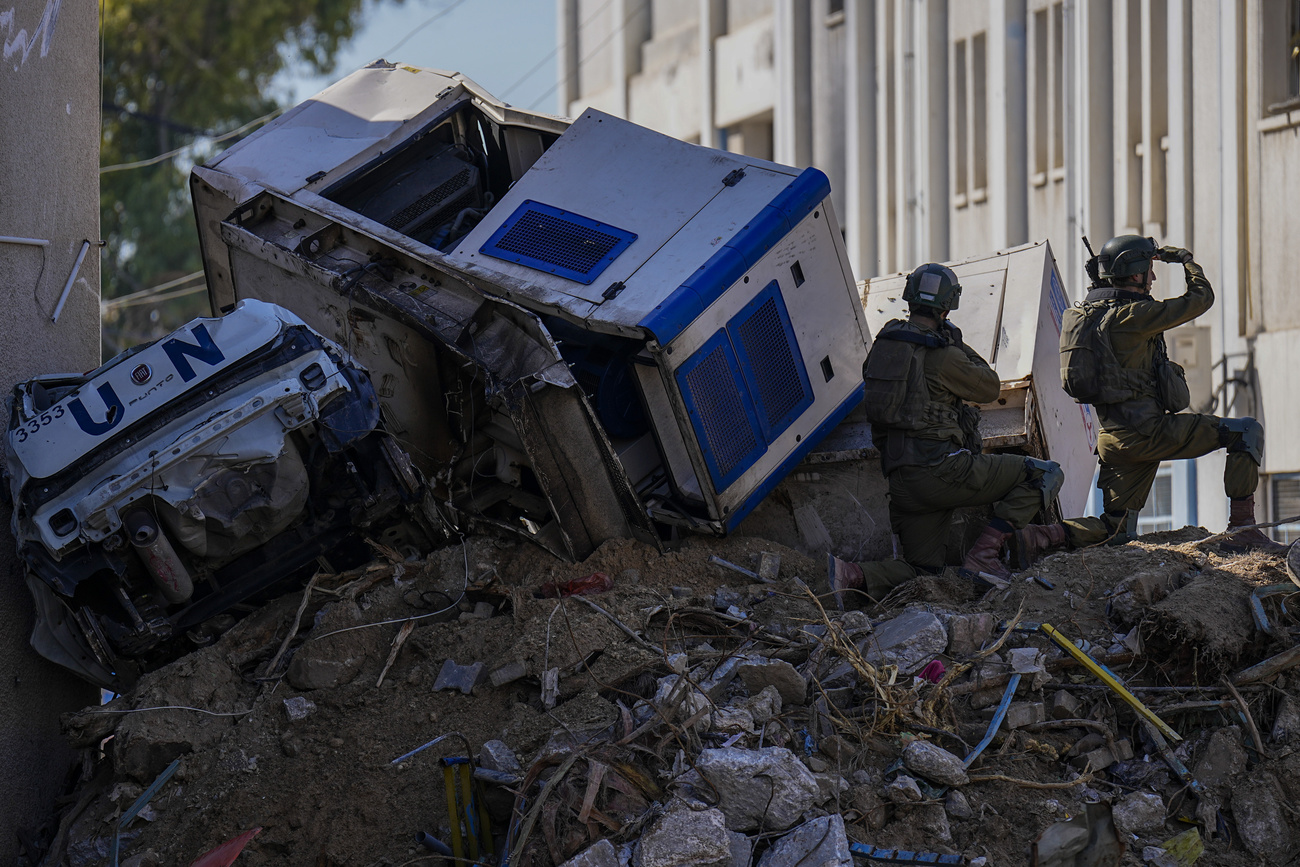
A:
<point x="507" y="46"/>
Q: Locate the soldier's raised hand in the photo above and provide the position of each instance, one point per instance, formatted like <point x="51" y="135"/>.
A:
<point x="1174" y="254"/>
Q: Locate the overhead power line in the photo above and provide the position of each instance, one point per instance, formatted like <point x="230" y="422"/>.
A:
<point x="121" y="167"/>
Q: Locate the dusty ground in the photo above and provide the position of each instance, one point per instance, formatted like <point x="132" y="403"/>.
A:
<point x="324" y="789"/>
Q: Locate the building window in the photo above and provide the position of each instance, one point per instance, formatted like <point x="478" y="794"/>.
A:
<point x="1158" y="513"/>
<point x="1293" y="53"/>
<point x="1285" y="493"/>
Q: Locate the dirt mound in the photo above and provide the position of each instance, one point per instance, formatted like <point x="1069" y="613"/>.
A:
<point x="291" y="722"/>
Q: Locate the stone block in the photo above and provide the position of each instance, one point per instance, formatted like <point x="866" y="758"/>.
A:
<point x="903" y="790"/>
<point x="1025" y="713"/>
<point x="929" y="760"/>
<point x="1262" y="823"/>
<point x="602" y="854"/>
<point x="1140" y="814"/>
<point x="1065" y="705"/>
<point x="929" y="821"/>
<point x="461" y="677"/>
<point x="299" y="708"/>
<point x="683" y="837"/>
<point x="968" y="632"/>
<point x="1102" y="758"/>
<point x="319" y="672"/>
<point x="770" y="787"/>
<point x="821" y="842"/>
<point x="742" y="849"/>
<point x="1222" y="758"/>
<point x="497" y="756"/>
<point x="909" y="641"/>
<point x="957" y="805"/>
<point x="759" y="673"/>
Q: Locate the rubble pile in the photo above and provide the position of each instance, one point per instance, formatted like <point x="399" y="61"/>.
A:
<point x="688" y="712"/>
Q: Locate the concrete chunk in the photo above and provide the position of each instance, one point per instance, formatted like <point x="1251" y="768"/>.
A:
<point x="1286" y="727"/>
<point x="936" y="764"/>
<point x="602" y="854"/>
<point x="1139" y="814"/>
<point x="461" y="677"/>
<point x="1222" y="759"/>
<point x="1065" y="705"/>
<point x="909" y="641"/>
<point x="903" y="790"/>
<point x="821" y="842"/>
<point x="683" y="837"/>
<point x="758" y="674"/>
<point x="968" y="632"/>
<point x="497" y="756"/>
<point x="768" y="787"/>
<point x="1025" y="713"/>
<point x="298" y="708"/>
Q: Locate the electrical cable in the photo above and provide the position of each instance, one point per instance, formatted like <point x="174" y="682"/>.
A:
<point x="635" y="12"/>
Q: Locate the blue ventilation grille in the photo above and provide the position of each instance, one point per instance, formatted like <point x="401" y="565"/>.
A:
<point x="764" y="342"/>
<point x="556" y="241"/>
<point x="717" y="403"/>
<point x="770" y="360"/>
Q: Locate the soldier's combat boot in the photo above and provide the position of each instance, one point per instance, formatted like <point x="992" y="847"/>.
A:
<point x="1034" y="542"/>
<point x="842" y="576"/>
<point x="985" y="556"/>
<point x="1242" y="514"/>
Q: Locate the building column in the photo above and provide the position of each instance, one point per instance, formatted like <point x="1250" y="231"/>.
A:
<point x="792" y="112"/>
<point x="568" y="35"/>
<point x="713" y="23"/>
<point x="1178" y="158"/>
<point x="1008" y="124"/>
<point x="860" y="134"/>
<point x="936" y="189"/>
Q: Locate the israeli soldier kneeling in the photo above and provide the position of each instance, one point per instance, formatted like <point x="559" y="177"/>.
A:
<point x="1113" y="356"/>
<point x="919" y="376"/>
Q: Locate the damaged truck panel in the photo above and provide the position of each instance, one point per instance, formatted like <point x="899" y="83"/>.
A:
<point x="470" y="411"/>
<point x="192" y="475"/>
<point x="697" y="305"/>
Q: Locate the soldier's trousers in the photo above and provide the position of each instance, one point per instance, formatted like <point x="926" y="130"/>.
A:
<point x="1130" y="459"/>
<point x="922" y="501"/>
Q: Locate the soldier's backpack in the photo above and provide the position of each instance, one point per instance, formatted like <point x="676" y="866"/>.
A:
<point x="1085" y="353"/>
<point x="894" y="375"/>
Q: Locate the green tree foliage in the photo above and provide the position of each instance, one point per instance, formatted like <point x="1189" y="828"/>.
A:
<point x="178" y="73"/>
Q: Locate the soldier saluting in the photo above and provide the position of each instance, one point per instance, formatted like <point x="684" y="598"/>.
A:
<point x="1113" y="356"/>
<point x="919" y="376"/>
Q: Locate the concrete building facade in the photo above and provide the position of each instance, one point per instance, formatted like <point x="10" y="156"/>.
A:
<point x="950" y="129"/>
<point x="49" y="254"/>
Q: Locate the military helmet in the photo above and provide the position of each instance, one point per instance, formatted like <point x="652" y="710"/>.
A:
<point x="933" y="285"/>
<point x="1126" y="256"/>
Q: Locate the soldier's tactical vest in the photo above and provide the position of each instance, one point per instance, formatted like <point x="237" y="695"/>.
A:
<point x="908" y="427"/>
<point x="1090" y="371"/>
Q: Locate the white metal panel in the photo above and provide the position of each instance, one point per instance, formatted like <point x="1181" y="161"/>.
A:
<point x="613" y="171"/>
<point x="817" y="311"/>
<point x="694" y="243"/>
<point x="334" y="126"/>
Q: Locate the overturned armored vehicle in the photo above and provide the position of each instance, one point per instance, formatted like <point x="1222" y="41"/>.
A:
<point x="162" y="493"/>
<point x="578" y="332"/>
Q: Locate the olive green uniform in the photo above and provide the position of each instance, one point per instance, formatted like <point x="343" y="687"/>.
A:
<point x="938" y="475"/>
<point x="1137" y="434"/>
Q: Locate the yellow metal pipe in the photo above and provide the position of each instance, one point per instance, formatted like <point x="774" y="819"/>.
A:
<point x="1109" y="679"/>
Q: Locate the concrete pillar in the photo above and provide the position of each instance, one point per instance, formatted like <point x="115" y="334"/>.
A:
<point x="567" y="36"/>
<point x="713" y="23"/>
<point x="1095" y="120"/>
<point x="1178" y="158"/>
<point x="1008" y="124"/>
<point x="49" y="159"/>
<point x="935" y="187"/>
<point x="792" y="112"/>
<point x="887" y="216"/>
<point x="907" y="143"/>
<point x="860" y="134"/>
